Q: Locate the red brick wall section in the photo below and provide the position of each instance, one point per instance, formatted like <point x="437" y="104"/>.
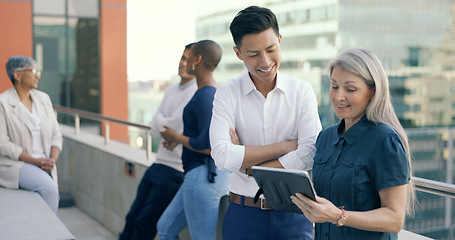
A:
<point x="114" y="88"/>
<point x="16" y="37"/>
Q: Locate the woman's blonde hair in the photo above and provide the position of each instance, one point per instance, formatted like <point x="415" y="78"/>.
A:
<point x="366" y="65"/>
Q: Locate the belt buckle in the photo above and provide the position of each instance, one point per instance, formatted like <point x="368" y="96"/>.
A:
<point x="263" y="204"/>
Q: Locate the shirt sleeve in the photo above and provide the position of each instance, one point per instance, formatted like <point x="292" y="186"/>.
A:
<point x="309" y="127"/>
<point x="390" y="165"/>
<point x="56" y="138"/>
<point x="7" y="148"/>
<point x="226" y="155"/>
<point x="159" y="119"/>
<point x="204" y="104"/>
<point x="175" y="119"/>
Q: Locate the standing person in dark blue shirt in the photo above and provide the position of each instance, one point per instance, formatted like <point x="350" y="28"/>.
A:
<point x="196" y="202"/>
<point x="362" y="167"/>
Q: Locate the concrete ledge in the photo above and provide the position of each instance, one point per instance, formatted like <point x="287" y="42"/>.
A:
<point x="24" y="215"/>
<point x="406" y="235"/>
<point x="94" y="175"/>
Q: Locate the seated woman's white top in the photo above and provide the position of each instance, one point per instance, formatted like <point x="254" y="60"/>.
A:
<point x="38" y="148"/>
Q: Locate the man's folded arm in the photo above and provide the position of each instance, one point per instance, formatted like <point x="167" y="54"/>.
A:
<point x="309" y="127"/>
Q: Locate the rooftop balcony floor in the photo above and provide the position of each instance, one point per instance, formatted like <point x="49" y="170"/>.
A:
<point x="82" y="226"/>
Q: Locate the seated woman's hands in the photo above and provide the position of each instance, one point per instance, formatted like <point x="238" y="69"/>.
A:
<point x="47" y="164"/>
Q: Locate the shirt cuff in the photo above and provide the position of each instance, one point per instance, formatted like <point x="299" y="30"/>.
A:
<point x="17" y="152"/>
<point x="234" y="157"/>
<point x="291" y="160"/>
<point x="159" y="123"/>
<point x="56" y="143"/>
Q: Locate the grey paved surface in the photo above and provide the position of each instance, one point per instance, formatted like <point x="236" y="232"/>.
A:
<point x="24" y="215"/>
<point x="82" y="226"/>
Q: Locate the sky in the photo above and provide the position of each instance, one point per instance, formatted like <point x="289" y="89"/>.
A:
<point x="157" y="32"/>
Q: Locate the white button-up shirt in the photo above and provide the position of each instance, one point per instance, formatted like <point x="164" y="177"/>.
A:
<point x="169" y="114"/>
<point x="289" y="112"/>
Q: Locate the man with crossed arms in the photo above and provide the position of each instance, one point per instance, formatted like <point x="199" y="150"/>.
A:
<point x="277" y="122"/>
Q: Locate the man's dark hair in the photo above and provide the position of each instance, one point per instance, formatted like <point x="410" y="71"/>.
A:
<point x="210" y="51"/>
<point x="252" y="20"/>
<point x="188" y="46"/>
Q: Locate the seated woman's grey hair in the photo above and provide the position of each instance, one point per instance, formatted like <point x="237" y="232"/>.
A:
<point x="17" y="63"/>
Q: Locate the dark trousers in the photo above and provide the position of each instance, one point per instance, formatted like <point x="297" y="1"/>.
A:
<point x="246" y="223"/>
<point x="156" y="190"/>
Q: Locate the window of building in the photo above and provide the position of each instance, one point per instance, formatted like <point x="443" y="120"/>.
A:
<point x="65" y="37"/>
<point x="69" y="53"/>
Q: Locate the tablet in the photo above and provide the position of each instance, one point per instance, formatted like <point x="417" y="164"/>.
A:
<point x="279" y="185"/>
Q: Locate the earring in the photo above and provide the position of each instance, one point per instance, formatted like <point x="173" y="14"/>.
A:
<point x="192" y="67"/>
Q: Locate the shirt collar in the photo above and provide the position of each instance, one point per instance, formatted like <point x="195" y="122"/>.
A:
<point x="187" y="84"/>
<point x="248" y="84"/>
<point x="355" y="132"/>
<point x="14" y="97"/>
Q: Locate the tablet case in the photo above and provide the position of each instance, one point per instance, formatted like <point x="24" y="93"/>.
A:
<point x="278" y="185"/>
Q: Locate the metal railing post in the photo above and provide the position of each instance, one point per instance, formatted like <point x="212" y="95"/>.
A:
<point x="77" y="123"/>
<point x="448" y="210"/>
<point x="149" y="145"/>
<point x="106" y="132"/>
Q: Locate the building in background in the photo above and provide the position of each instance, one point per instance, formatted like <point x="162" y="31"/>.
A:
<point x="315" y="31"/>
<point x="80" y="47"/>
<point x="144" y="98"/>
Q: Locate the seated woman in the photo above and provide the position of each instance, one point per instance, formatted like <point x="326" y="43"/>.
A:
<point x="30" y="138"/>
<point x="362" y="166"/>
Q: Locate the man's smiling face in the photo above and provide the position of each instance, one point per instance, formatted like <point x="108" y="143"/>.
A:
<point x="261" y="54"/>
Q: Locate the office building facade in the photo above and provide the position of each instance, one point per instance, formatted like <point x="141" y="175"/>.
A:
<point x="80" y="48"/>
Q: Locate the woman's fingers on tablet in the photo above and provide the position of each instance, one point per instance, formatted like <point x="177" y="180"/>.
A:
<point x="297" y="201"/>
<point x="300" y="203"/>
<point x="302" y="197"/>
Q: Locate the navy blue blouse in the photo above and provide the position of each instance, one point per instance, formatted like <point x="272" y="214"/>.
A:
<point x="350" y="169"/>
<point x="197" y="115"/>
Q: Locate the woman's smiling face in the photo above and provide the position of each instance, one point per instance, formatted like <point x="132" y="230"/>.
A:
<point x="349" y="95"/>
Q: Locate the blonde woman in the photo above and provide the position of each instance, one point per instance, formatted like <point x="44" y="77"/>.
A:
<point x="362" y="168"/>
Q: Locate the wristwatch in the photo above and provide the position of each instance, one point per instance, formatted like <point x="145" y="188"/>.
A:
<point x="343" y="217"/>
